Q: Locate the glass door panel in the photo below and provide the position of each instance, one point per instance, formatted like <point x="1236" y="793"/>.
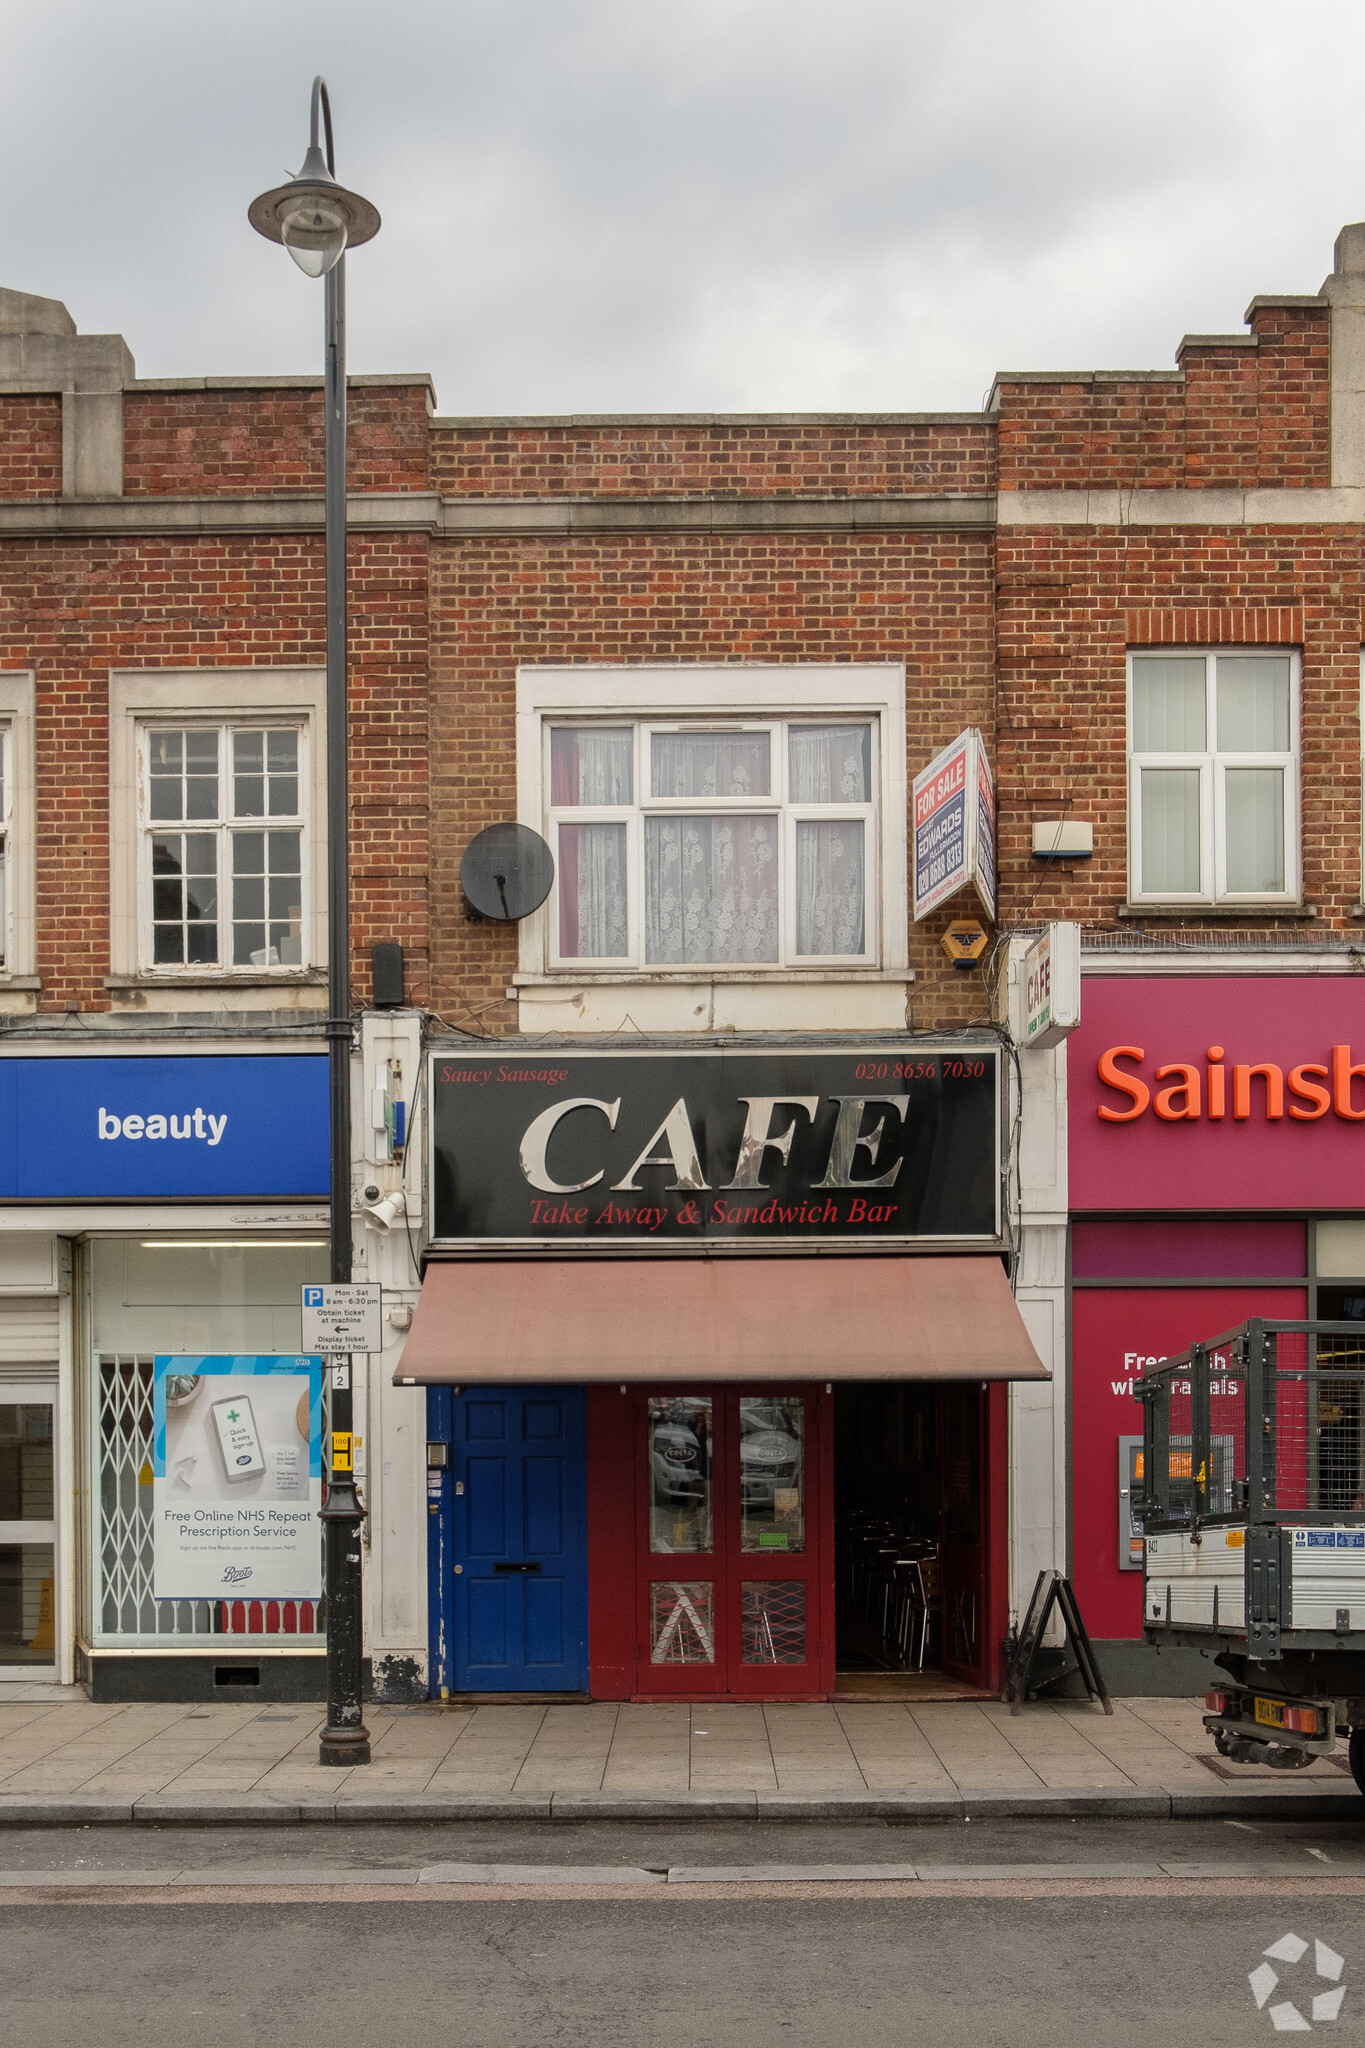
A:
<point x="729" y="1552"/>
<point x="28" y="1532"/>
<point x="682" y="1639"/>
<point x="773" y="1548"/>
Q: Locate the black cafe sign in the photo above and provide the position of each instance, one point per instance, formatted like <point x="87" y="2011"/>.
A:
<point x="675" y="1149"/>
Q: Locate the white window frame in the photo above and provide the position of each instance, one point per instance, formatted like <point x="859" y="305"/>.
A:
<point x="219" y="698"/>
<point x="1213" y="766"/>
<point x="222" y="829"/>
<point x="19" y="825"/>
<point x="733" y="696"/>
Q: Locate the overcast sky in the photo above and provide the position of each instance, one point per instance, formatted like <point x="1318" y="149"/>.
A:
<point x="686" y="205"/>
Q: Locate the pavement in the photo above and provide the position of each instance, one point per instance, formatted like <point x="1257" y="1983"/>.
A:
<point x="64" y="1760"/>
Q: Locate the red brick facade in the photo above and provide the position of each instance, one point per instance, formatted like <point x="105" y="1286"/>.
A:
<point x="1019" y="628"/>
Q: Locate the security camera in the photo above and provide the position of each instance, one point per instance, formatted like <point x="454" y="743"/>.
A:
<point x="383" y="1215"/>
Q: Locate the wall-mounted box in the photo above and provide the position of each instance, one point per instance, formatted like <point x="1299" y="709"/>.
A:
<point x="1063" y="839"/>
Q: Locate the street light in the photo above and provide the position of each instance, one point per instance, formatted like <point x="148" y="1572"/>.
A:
<point x="316" y="219"/>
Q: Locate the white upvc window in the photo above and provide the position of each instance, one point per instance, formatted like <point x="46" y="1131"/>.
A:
<point x="724" y="842"/>
<point x="1213" y="777"/>
<point x="223" y="853"/>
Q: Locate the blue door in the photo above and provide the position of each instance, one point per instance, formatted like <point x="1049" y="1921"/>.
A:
<point x="519" y="1540"/>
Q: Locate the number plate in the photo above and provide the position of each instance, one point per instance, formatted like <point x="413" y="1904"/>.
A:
<point x="1271" y="1712"/>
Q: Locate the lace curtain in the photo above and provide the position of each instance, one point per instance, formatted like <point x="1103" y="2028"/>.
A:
<point x="702" y="764"/>
<point x="710" y="890"/>
<point x="830" y="764"/>
<point x="830" y="888"/>
<point x="592" y="892"/>
<point x="591" y="765"/>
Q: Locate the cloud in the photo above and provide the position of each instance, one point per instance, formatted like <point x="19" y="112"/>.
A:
<point x="615" y="205"/>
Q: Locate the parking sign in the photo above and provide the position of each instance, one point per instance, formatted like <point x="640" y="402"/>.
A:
<point x="342" y="1315"/>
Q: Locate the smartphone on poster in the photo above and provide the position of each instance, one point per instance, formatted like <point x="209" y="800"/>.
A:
<point x="237" y="1439"/>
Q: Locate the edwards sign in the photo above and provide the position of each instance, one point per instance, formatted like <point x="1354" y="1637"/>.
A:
<point x="686" y="1150"/>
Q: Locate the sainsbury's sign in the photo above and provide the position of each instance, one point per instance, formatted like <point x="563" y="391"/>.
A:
<point x="1214" y="1090"/>
<point x="1227" y="1093"/>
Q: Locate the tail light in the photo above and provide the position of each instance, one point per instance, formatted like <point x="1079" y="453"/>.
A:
<point x="1303" y="1720"/>
<point x="1220" y="1702"/>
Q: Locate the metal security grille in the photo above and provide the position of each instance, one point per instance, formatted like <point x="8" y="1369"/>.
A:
<point x="1265" y="1423"/>
<point x="127" y="1610"/>
<point x="773" y="1621"/>
<point x="126" y="1604"/>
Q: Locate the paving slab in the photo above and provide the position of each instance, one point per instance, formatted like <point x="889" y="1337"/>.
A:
<point x="29" y="1878"/>
<point x="1110" y="1801"/>
<point x="538" y="1873"/>
<point x="792" y="1873"/>
<point x="294" y="1873"/>
<point x="694" y="1805"/>
<point x="197" y="1809"/>
<point x="442" y="1805"/>
<point x="932" y="1802"/>
<point x="63" y="1810"/>
<point x="991" y="1873"/>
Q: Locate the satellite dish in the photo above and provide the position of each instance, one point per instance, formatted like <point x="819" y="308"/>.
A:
<point x="507" y="872"/>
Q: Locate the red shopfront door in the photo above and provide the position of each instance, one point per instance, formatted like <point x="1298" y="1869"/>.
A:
<point x="729" y="1541"/>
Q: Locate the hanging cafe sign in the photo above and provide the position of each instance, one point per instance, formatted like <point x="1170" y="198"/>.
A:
<point x="789" y="1147"/>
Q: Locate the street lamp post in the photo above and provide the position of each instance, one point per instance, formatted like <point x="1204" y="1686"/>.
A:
<point x="315" y="219"/>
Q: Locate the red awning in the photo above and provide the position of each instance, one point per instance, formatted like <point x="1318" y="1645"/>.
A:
<point x="508" y="1321"/>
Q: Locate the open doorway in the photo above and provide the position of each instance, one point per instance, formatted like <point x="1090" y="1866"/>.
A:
<point x="910" y="1539"/>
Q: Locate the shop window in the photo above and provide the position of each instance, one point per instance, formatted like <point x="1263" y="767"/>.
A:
<point x="217" y="825"/>
<point x="171" y="1296"/>
<point x="223" y="845"/>
<point x="1213" y="777"/>
<point x="735" y="821"/>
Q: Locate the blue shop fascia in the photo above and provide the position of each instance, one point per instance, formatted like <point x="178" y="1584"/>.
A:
<point x="162" y="1196"/>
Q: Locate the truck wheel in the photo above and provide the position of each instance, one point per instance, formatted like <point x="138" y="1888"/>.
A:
<point x="1356" y="1752"/>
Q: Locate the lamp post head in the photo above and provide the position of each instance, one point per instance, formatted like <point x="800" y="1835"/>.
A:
<point x="315" y="218"/>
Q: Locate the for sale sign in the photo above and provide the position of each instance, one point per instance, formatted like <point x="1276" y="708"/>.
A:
<point x="954" y="825"/>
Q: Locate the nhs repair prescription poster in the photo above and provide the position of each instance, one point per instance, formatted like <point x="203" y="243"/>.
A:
<point x="237" y="1478"/>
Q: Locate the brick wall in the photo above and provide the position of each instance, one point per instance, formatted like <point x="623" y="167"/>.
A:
<point x="186" y="443"/>
<point x="724" y="459"/>
<point x="925" y="601"/>
<point x="31" y="446"/>
<point x="76" y="609"/>
<point x="1243" y="414"/>
<point x="1071" y="602"/>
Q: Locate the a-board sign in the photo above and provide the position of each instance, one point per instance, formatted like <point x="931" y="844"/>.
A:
<point x="1052" y="1590"/>
<point x="882" y="1144"/>
<point x="342" y="1315"/>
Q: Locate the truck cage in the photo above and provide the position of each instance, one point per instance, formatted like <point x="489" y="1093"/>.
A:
<point x="1262" y="1425"/>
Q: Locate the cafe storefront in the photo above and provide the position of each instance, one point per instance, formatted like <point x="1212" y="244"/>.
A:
<point x="717" y="1339"/>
